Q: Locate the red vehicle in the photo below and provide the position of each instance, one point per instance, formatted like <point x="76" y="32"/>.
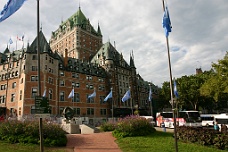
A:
<point x="184" y="118"/>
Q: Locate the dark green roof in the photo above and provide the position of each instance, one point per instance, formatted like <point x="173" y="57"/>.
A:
<point x="109" y="53"/>
<point x="44" y="45"/>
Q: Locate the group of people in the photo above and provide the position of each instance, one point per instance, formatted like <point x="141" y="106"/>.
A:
<point x="223" y="127"/>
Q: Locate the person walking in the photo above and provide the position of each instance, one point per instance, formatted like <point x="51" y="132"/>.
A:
<point x="216" y="126"/>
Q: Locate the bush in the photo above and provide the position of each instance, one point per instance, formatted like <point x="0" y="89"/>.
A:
<point x="133" y="126"/>
<point x="28" y="132"/>
<point x="108" y="126"/>
<point x="203" y="136"/>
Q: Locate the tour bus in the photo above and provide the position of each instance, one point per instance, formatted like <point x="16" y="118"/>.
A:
<point x="221" y="119"/>
<point x="207" y="119"/>
<point x="166" y="117"/>
<point x="183" y="118"/>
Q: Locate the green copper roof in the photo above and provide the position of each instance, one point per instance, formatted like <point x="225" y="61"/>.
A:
<point x="108" y="52"/>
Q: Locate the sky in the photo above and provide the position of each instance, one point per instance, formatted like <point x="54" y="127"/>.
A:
<point x="198" y="38"/>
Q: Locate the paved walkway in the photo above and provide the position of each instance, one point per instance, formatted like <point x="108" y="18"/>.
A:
<point x="96" y="142"/>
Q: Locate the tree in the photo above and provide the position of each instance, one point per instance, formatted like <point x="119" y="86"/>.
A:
<point x="217" y="85"/>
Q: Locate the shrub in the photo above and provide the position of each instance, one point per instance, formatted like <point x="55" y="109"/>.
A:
<point x="28" y="132"/>
<point x="203" y="136"/>
<point x="108" y="126"/>
<point x="133" y="126"/>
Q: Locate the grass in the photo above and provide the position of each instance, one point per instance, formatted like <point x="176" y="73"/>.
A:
<point x="6" y="147"/>
<point x="159" y="142"/>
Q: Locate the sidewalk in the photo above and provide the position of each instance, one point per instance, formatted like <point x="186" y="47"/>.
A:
<point x="96" y="142"/>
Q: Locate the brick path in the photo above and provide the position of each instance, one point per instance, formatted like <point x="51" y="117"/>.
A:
<point x="96" y="142"/>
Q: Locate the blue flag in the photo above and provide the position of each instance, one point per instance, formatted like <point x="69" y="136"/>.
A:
<point x="166" y="23"/>
<point x="175" y="89"/>
<point x="108" y="96"/>
<point x="92" y="95"/>
<point x="126" y="96"/>
<point x="11" y="7"/>
<point x="150" y="95"/>
<point x="71" y="95"/>
<point x="10" y="41"/>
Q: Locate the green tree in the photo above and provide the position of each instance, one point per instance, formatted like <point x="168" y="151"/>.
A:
<point x="217" y="85"/>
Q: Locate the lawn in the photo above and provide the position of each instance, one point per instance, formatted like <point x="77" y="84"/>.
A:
<point x="6" y="147"/>
<point x="159" y="142"/>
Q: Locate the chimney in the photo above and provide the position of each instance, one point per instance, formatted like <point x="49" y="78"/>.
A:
<point x="66" y="57"/>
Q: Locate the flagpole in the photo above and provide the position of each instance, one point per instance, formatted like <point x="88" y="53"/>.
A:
<point x="73" y="98"/>
<point x="16" y="44"/>
<point x="131" y="101"/>
<point x="112" y="106"/>
<point x="151" y="107"/>
<point x="94" y="107"/>
<point x="39" y="79"/>
<point x="171" y="86"/>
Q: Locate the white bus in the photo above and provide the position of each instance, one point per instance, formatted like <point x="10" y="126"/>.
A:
<point x="221" y="119"/>
<point x="208" y="119"/>
<point x="183" y="118"/>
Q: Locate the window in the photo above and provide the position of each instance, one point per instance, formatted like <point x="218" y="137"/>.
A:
<point x="50" y="94"/>
<point x="62" y="98"/>
<point x="34" y="78"/>
<point x="75" y="75"/>
<point x="2" y="99"/>
<point x="33" y="109"/>
<point x="34" y="68"/>
<point x="88" y="77"/>
<point x="61" y="73"/>
<point x="76" y="97"/>
<point x="14" y="85"/>
<point x="102" y="99"/>
<point x="103" y="111"/>
<point x="77" y="85"/>
<point x="20" y="95"/>
<point x="90" y="111"/>
<point x="12" y="97"/>
<point x="3" y="86"/>
<point x="62" y="83"/>
<point x="61" y="110"/>
<point x="50" y="80"/>
<point x="89" y="100"/>
<point x="22" y="80"/>
<point x="77" y="111"/>
<point x="34" y="57"/>
<point x="16" y="73"/>
<point x="34" y="92"/>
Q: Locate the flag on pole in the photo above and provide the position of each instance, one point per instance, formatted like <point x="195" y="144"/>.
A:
<point x="92" y="95"/>
<point x="175" y="89"/>
<point x="71" y="95"/>
<point x="108" y="96"/>
<point x="150" y="95"/>
<point x="126" y="96"/>
<point x="10" y="41"/>
<point x="44" y="94"/>
<point x="22" y="38"/>
<point x="166" y="23"/>
<point x="11" y="7"/>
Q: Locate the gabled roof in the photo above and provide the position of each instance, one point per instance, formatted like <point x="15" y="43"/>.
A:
<point x="44" y="45"/>
<point x="108" y="52"/>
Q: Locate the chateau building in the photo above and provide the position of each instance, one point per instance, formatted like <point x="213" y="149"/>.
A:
<point x="74" y="59"/>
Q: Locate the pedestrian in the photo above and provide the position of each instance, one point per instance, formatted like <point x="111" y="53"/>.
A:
<point x="224" y="128"/>
<point x="163" y="126"/>
<point x="216" y="126"/>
